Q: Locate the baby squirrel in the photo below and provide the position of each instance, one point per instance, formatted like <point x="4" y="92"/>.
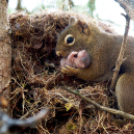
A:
<point x="79" y="59"/>
<point x="103" y="50"/>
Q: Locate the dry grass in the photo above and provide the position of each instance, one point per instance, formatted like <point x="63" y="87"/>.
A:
<point x="37" y="81"/>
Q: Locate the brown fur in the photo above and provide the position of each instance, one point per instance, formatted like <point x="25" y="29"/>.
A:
<point x="103" y="49"/>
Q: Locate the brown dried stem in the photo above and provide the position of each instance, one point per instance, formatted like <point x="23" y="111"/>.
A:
<point x="121" y="54"/>
<point x="110" y="110"/>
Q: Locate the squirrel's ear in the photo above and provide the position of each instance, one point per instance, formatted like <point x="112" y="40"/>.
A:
<point x="85" y="28"/>
<point x="72" y="20"/>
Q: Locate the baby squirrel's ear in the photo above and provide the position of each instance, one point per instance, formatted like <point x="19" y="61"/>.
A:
<point x="72" y="21"/>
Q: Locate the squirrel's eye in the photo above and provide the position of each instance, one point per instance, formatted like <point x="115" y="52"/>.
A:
<point x="69" y="40"/>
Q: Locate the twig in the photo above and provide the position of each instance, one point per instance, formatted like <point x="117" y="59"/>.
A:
<point x="110" y="110"/>
<point x="120" y="59"/>
<point x="6" y="86"/>
<point x="128" y="6"/>
<point x="29" y="122"/>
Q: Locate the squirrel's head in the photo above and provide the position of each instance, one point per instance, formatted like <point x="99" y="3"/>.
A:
<point x="77" y="36"/>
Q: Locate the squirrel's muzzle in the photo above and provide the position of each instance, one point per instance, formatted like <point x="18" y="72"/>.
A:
<point x="59" y="53"/>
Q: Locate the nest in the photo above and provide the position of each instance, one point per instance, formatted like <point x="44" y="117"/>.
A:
<point x="37" y="80"/>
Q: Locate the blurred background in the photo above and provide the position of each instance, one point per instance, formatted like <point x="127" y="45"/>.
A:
<point x="108" y="11"/>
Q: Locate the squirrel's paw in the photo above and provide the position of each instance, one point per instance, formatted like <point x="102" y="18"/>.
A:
<point x="70" y="71"/>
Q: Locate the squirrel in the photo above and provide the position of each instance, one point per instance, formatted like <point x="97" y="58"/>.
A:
<point x="103" y="49"/>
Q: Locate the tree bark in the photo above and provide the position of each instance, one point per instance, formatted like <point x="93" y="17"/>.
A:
<point x="5" y="49"/>
<point x="19" y="5"/>
<point x="128" y="6"/>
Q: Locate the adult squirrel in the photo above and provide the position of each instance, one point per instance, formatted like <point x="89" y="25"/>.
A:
<point x="103" y="50"/>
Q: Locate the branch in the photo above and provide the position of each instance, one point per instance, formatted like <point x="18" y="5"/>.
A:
<point x="29" y="122"/>
<point x="121" y="54"/>
<point x="128" y="6"/>
<point x="110" y="110"/>
<point x="19" y="7"/>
